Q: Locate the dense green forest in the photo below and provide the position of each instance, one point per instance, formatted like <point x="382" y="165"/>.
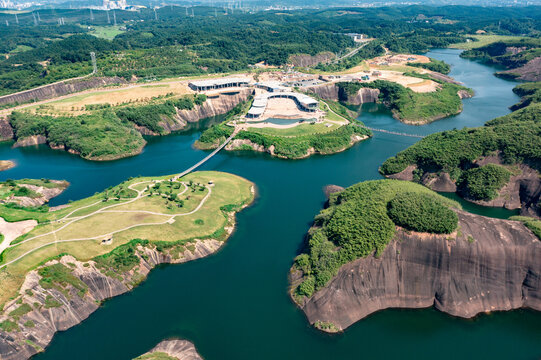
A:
<point x="106" y="133"/>
<point x="434" y="65"/>
<point x="412" y="107"/>
<point x="361" y="220"/>
<point x="178" y="44"/>
<point x="513" y="137"/>
<point x="99" y="136"/>
<point x="287" y="147"/>
<point x="498" y="52"/>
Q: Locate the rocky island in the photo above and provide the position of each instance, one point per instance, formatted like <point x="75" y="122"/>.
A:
<point x="412" y="249"/>
<point x="172" y="350"/>
<point x="139" y="222"/>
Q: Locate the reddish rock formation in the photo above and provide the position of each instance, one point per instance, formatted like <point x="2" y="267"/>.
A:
<point x="215" y="105"/>
<point x="37" y="327"/>
<point x="523" y="191"/>
<point x="333" y="92"/>
<point x="531" y="71"/>
<point x="490" y="265"/>
<point x="177" y="349"/>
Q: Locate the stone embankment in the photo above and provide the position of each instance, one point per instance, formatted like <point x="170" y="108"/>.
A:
<point x="60" y="306"/>
<point x="487" y="265"/>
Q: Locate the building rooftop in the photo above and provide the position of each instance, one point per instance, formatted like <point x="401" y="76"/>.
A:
<point x="219" y="81"/>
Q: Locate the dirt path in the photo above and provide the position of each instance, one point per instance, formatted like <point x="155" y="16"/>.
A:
<point x="140" y="194"/>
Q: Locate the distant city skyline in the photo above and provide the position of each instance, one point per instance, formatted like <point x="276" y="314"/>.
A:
<point x="260" y="4"/>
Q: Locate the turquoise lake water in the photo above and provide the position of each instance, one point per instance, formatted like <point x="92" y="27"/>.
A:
<point x="234" y="304"/>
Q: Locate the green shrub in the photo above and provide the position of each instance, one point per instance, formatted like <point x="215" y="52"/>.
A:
<point x="121" y="259"/>
<point x="357" y="224"/>
<point x="20" y="311"/>
<point x="8" y="326"/>
<point x="483" y="183"/>
<point x="307" y="287"/>
<point x="51" y="302"/>
<point x="422" y="213"/>
<point x="434" y="65"/>
<point x="531" y="223"/>
<point x="59" y="276"/>
<point x="101" y="135"/>
<point x="515" y="137"/>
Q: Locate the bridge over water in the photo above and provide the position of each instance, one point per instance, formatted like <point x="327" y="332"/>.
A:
<point x="207" y="158"/>
<point x="392" y="132"/>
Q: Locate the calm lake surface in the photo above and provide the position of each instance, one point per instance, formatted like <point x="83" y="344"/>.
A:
<point x="234" y="304"/>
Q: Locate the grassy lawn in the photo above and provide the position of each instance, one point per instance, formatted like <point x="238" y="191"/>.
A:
<point x="227" y="190"/>
<point x="299" y="130"/>
<point x="483" y="41"/>
<point x="106" y="32"/>
<point x="20" y="48"/>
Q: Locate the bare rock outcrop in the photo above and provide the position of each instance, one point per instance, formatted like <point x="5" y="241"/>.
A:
<point x="305" y="60"/>
<point x="488" y="265"/>
<point x="531" y="71"/>
<point x="523" y="191"/>
<point x="178" y="349"/>
<point x="6" y="131"/>
<point x="31" y="140"/>
<point x="60" y="89"/>
<point x="333" y="92"/>
<point x="215" y="105"/>
<point x="45" y="193"/>
<point x="57" y="308"/>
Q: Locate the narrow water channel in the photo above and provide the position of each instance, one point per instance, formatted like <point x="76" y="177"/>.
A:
<point x="234" y="304"/>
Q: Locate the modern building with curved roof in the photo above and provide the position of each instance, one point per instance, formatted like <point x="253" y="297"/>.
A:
<point x="304" y="102"/>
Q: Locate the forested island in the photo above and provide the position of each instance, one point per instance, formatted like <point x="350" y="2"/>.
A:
<point x="395" y="229"/>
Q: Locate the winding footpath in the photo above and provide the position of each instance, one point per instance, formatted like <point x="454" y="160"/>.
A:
<point x="140" y="194"/>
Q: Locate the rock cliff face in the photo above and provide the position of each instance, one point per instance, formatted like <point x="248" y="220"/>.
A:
<point x="59" y="89"/>
<point x="57" y="307"/>
<point x="215" y="105"/>
<point x="523" y="191"/>
<point x="488" y="265"/>
<point x="304" y="60"/>
<point x="177" y="349"/>
<point x="528" y="72"/>
<point x="333" y="92"/>
<point x="6" y="131"/>
<point x="30" y="141"/>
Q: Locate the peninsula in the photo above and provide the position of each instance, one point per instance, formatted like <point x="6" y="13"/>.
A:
<point x="56" y="274"/>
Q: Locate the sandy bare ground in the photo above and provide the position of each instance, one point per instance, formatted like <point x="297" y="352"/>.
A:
<point x="424" y="86"/>
<point x="12" y="230"/>
<point x="287" y="108"/>
<point x="399" y="59"/>
<point x="117" y="95"/>
<point x="415" y="84"/>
